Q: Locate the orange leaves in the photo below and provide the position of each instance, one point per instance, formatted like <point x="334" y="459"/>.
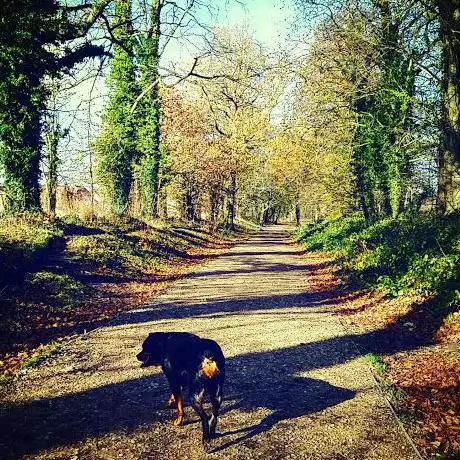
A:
<point x="428" y="377"/>
<point x="431" y="380"/>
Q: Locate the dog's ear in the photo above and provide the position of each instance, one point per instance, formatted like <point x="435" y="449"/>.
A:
<point x="157" y="335"/>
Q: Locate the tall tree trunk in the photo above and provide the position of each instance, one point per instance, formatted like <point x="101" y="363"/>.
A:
<point x="116" y="145"/>
<point x="297" y="214"/>
<point x="189" y="206"/>
<point x="52" y="142"/>
<point x="214" y="202"/>
<point x="449" y="159"/>
<point x="149" y="114"/>
<point x="362" y="190"/>
<point x="21" y="153"/>
<point x="231" y="203"/>
<point x="163" y="204"/>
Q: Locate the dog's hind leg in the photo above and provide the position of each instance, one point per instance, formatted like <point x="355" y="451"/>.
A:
<point x="197" y="398"/>
<point x="180" y="408"/>
<point x="216" y="400"/>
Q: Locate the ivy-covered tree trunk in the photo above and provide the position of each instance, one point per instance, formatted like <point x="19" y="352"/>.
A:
<point x="21" y="102"/>
<point x="148" y="116"/>
<point x="30" y="37"/>
<point x="362" y="189"/>
<point x="449" y="160"/>
<point x="20" y="154"/>
<point x="391" y="110"/>
<point x="381" y="162"/>
<point x="116" y="144"/>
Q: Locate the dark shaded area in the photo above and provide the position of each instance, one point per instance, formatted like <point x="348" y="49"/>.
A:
<point x="289" y="399"/>
<point x="263" y="253"/>
<point x="269" y="268"/>
<point x="166" y="311"/>
<point x="265" y="382"/>
<point x="80" y="229"/>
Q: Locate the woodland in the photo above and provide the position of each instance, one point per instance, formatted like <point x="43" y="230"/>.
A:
<point x="350" y="131"/>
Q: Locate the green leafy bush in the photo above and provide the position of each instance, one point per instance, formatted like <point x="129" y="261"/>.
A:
<point x="411" y="254"/>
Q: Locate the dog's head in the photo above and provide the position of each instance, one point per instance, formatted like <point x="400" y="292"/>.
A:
<point x="152" y="353"/>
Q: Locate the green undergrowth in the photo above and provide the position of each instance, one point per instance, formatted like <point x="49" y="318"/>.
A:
<point x="376" y="362"/>
<point x="408" y="255"/>
<point x="59" y="290"/>
<point x="134" y="247"/>
<point x="36" y="273"/>
<point x="22" y="239"/>
<point x="46" y="352"/>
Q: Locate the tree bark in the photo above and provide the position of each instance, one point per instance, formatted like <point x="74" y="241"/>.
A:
<point x="149" y="114"/>
<point x="362" y="191"/>
<point x="52" y="142"/>
<point x="449" y="158"/>
<point x="231" y="204"/>
<point x="297" y="214"/>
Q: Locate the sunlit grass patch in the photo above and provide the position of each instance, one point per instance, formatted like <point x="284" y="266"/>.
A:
<point x="22" y="238"/>
<point x="376" y="362"/>
<point x="409" y="255"/>
<point x="41" y="354"/>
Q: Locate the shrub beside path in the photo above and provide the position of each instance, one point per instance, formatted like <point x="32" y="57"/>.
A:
<point x="297" y="387"/>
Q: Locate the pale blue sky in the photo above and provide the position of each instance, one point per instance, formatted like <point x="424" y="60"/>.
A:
<point x="269" y="19"/>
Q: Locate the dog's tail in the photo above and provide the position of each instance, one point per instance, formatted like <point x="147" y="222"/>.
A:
<point x="209" y="367"/>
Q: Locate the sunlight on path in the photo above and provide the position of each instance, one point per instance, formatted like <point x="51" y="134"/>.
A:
<point x="296" y="386"/>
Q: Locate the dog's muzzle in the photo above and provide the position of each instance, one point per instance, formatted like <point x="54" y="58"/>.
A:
<point x="144" y="357"/>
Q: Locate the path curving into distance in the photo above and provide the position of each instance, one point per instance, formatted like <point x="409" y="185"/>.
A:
<point x="297" y="387"/>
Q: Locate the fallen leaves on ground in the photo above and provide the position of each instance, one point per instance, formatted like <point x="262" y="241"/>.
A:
<point x="430" y="379"/>
<point x="428" y="376"/>
<point x="38" y="322"/>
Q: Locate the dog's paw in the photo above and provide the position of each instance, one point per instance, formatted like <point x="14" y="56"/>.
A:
<point x="178" y="421"/>
<point x="207" y="445"/>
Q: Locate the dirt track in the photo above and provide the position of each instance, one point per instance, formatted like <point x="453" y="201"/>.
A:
<point x="296" y="385"/>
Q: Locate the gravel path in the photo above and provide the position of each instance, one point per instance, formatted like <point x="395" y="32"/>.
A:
<point x="296" y="386"/>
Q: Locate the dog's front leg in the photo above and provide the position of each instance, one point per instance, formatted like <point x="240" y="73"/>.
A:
<point x="176" y="390"/>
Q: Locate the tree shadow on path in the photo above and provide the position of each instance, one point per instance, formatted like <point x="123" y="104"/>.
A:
<point x="255" y="380"/>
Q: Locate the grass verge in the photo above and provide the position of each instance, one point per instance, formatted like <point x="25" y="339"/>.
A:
<point x="69" y="276"/>
<point x="403" y="280"/>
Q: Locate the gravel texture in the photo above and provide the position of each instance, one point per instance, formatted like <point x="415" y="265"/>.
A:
<point x="296" y="386"/>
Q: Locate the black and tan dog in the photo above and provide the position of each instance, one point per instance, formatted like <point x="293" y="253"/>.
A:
<point x="188" y="361"/>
